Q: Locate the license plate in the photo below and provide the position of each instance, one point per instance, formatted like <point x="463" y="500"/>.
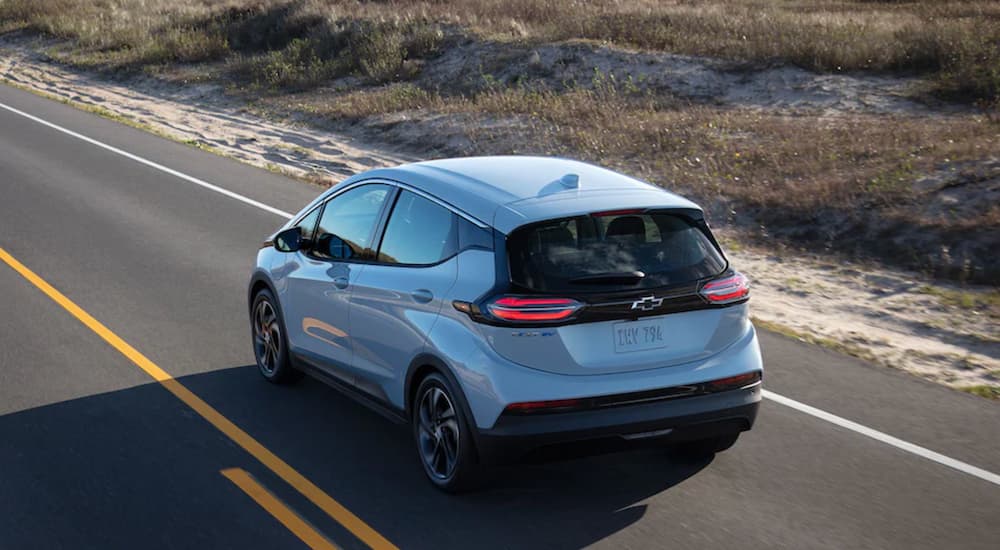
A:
<point x="638" y="336"/>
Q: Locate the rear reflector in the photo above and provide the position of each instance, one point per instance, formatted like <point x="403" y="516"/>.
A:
<point x="727" y="290"/>
<point x="529" y="407"/>
<point x="734" y="382"/>
<point x="513" y="308"/>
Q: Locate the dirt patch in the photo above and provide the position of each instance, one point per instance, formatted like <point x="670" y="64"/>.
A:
<point x="471" y="66"/>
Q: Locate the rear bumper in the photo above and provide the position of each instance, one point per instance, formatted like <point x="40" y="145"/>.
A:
<point x="516" y="437"/>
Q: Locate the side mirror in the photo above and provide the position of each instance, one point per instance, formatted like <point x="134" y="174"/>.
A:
<point x="334" y="247"/>
<point x="289" y="240"/>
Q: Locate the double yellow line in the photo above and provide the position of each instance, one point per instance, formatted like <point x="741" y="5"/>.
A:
<point x="317" y="496"/>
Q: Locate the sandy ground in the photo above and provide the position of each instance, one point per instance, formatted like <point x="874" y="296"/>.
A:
<point x="199" y="115"/>
<point x="889" y="317"/>
<point x="893" y="318"/>
<point x="587" y="65"/>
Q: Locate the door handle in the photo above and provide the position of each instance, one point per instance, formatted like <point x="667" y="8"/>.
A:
<point x="422" y="295"/>
<point x="341" y="282"/>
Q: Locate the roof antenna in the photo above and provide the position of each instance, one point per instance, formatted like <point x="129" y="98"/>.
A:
<point x="570" y="181"/>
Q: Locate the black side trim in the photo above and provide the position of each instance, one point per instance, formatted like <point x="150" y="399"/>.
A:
<point x="370" y="401"/>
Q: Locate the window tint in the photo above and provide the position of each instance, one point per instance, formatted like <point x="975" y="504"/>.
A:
<point x="345" y="228"/>
<point x="308" y="224"/>
<point x="599" y="253"/>
<point x="419" y="232"/>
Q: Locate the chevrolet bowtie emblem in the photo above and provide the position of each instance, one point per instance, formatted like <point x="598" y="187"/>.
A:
<point x="648" y="303"/>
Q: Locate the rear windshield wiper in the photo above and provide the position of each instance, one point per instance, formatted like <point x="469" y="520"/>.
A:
<point x="623" y="278"/>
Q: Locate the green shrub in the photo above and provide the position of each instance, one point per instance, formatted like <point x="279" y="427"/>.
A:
<point x="297" y="66"/>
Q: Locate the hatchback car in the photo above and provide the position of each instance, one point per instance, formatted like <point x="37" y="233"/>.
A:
<point x="508" y="306"/>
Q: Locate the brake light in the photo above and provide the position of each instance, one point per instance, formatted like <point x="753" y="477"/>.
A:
<point x="512" y="308"/>
<point x="530" y="407"/>
<point x="734" y="382"/>
<point x="727" y="290"/>
<point x="618" y="212"/>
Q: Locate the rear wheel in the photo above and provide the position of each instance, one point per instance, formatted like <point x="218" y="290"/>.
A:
<point x="702" y="448"/>
<point x="443" y="436"/>
<point x="270" y="346"/>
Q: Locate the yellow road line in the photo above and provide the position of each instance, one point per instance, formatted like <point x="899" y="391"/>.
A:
<point x="276" y="508"/>
<point x="334" y="509"/>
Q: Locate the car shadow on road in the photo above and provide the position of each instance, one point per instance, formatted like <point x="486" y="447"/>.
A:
<point x="369" y="465"/>
<point x="94" y="464"/>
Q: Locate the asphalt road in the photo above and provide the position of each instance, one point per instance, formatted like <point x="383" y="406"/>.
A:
<point x="95" y="454"/>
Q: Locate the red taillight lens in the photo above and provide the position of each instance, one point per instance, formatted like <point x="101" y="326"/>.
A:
<point x="727" y="290"/>
<point x="734" y="382"/>
<point x="529" y="407"/>
<point x="513" y="308"/>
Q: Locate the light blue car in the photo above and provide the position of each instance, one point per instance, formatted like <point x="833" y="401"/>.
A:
<point x="512" y="307"/>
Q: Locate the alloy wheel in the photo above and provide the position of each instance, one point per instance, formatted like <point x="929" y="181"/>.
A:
<point x="267" y="336"/>
<point x="438" y="433"/>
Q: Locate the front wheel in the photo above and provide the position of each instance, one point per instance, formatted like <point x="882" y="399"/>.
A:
<point x="270" y="346"/>
<point x="443" y="437"/>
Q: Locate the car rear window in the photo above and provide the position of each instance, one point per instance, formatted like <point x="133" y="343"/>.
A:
<point x="612" y="252"/>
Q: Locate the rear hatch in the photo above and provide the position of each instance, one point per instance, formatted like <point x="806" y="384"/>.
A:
<point x="616" y="291"/>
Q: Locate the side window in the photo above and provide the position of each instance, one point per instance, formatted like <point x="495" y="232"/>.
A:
<point x="348" y="220"/>
<point x="308" y="223"/>
<point x="419" y="232"/>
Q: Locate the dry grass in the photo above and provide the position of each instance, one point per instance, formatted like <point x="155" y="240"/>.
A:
<point x="958" y="41"/>
<point x="983" y="390"/>
<point x="986" y="303"/>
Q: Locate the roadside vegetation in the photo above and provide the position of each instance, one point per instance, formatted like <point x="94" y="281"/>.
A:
<point x="987" y="391"/>
<point x="911" y="189"/>
<point x="309" y="40"/>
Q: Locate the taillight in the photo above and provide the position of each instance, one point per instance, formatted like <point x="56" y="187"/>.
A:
<point x="727" y="290"/>
<point x="513" y="308"/>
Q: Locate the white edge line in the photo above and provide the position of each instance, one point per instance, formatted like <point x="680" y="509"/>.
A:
<point x="884" y="438"/>
<point x="791" y="403"/>
<point x="151" y="164"/>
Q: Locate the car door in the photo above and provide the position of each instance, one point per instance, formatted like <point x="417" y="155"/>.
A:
<point x="320" y="278"/>
<point x="396" y="299"/>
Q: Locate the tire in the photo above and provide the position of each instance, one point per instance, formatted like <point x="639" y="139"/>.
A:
<point x="270" y="345"/>
<point x="443" y="437"/>
<point x="704" y="448"/>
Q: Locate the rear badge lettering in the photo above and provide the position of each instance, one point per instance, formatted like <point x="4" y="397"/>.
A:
<point x="533" y="333"/>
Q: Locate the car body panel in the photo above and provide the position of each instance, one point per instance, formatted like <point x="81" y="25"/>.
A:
<point x="317" y="311"/>
<point x="374" y="333"/>
<point x="589" y="348"/>
<point x="393" y="309"/>
<point x="491" y="382"/>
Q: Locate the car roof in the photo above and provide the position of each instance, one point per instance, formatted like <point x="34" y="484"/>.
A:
<point x="506" y="192"/>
